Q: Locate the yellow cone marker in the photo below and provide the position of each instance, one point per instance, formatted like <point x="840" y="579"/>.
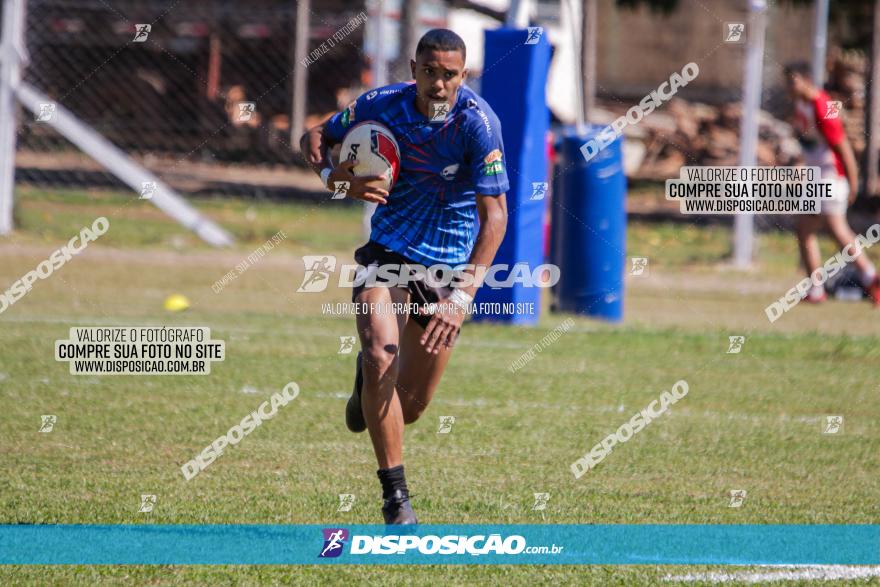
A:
<point x="176" y="303"/>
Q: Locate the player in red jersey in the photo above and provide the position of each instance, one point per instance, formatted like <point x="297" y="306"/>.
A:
<point x="825" y="145"/>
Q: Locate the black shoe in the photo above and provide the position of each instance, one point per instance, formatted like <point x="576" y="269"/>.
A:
<point x="398" y="510"/>
<point x="354" y="414"/>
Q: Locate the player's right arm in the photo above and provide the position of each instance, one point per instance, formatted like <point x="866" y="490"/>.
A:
<point x="315" y="145"/>
<point x="844" y="150"/>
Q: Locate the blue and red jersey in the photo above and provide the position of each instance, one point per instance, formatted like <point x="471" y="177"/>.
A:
<point x="430" y="216"/>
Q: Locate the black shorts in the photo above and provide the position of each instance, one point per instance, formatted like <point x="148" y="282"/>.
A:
<point x="421" y="293"/>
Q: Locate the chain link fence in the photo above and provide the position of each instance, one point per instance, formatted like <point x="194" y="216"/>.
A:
<point x="200" y="93"/>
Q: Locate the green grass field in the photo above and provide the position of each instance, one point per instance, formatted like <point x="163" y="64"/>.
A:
<point x="751" y="420"/>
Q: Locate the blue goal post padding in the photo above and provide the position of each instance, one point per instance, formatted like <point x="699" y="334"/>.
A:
<point x="514" y="79"/>
<point x="589" y="227"/>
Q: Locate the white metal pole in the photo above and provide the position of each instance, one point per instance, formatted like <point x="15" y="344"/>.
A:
<point x="744" y="224"/>
<point x="820" y="42"/>
<point x="380" y="78"/>
<point x="11" y="56"/>
<point x="380" y="59"/>
<point x="589" y="42"/>
<point x="300" y="52"/>
<point x="871" y="168"/>
<point x="122" y="166"/>
<point x="517" y="14"/>
<point x="576" y="24"/>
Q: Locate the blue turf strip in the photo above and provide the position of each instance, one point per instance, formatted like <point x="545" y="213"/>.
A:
<point x="441" y="544"/>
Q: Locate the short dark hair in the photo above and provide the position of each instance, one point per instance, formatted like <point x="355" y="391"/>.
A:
<point x="441" y="40"/>
<point x="801" y="68"/>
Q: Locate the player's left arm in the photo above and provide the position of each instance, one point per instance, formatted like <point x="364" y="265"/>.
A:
<point x="493" y="225"/>
<point x="444" y="326"/>
<point x="488" y="173"/>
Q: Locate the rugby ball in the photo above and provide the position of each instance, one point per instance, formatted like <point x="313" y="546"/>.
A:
<point x="374" y="147"/>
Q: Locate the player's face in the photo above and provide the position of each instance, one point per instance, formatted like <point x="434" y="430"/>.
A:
<point x="438" y="76"/>
<point x="796" y="85"/>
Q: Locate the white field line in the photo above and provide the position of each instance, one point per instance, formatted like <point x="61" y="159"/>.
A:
<point x="794" y="573"/>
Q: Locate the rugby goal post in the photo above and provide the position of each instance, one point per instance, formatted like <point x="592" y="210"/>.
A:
<point x="114" y="159"/>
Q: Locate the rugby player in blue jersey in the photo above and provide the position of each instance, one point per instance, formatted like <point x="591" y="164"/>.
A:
<point x="452" y="170"/>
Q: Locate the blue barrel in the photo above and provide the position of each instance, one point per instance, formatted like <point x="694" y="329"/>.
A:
<point x="589" y="227"/>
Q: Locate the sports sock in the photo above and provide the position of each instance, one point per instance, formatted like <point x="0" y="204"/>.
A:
<point x="867" y="277"/>
<point x="392" y="479"/>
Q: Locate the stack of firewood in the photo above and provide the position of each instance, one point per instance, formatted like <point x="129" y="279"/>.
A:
<point x="692" y="133"/>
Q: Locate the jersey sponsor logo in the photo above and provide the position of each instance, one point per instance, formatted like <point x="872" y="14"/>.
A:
<point x="493" y="156"/>
<point x="449" y="172"/>
<point x="348" y="115"/>
<point x="371" y="95"/>
<point x="493" y="168"/>
<point x="485" y="121"/>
